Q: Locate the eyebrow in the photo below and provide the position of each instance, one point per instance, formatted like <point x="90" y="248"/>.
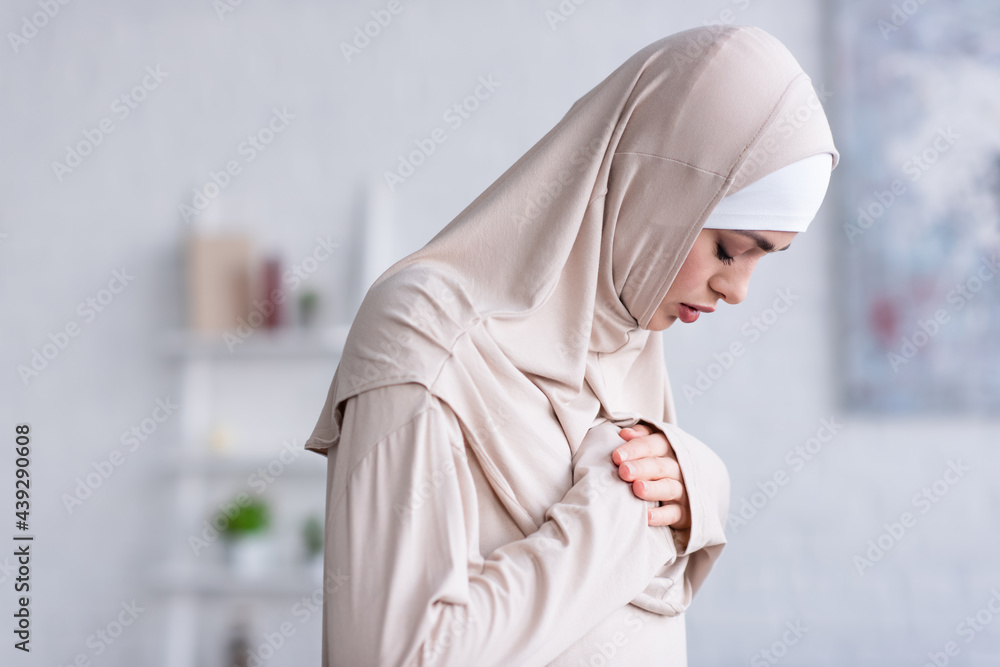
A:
<point x="762" y="242"/>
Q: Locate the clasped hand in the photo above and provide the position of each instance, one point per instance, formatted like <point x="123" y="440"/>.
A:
<point x="647" y="461"/>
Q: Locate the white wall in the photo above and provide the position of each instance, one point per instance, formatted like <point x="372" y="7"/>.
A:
<point x="792" y="562"/>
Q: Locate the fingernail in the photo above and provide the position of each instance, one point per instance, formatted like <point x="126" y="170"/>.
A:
<point x="622" y="455"/>
<point x="628" y="468"/>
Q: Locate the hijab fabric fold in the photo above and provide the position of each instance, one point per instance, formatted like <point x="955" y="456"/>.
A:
<point x="527" y="313"/>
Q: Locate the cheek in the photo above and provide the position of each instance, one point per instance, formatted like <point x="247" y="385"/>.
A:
<point x="694" y="273"/>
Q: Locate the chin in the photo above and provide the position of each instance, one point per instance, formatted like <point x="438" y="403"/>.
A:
<point x="662" y="323"/>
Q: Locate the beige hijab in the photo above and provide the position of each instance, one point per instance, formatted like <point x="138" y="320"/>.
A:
<point x="527" y="313"/>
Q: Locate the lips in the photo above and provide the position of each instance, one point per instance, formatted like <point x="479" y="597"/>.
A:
<point x="688" y="313"/>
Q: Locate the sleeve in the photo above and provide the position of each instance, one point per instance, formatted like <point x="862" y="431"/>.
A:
<point x="402" y="538"/>
<point x="706" y="480"/>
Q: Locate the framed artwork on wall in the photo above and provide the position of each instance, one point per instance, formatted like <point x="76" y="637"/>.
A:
<point x="915" y="104"/>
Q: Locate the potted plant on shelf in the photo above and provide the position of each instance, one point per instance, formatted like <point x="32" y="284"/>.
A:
<point x="312" y="538"/>
<point x="247" y="545"/>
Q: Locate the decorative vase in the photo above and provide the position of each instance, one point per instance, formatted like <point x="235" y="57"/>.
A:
<point x="250" y="555"/>
<point x="315" y="567"/>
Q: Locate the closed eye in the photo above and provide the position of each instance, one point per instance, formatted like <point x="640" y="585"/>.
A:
<point x="721" y="253"/>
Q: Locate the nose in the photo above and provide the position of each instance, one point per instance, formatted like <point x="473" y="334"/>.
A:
<point x="731" y="286"/>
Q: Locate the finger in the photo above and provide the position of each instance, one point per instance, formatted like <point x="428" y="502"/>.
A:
<point x="642" y="446"/>
<point x="628" y="434"/>
<point x="684" y="513"/>
<point x="664" y="516"/>
<point x="663" y="490"/>
<point x="636" y="430"/>
<point x="658" y="467"/>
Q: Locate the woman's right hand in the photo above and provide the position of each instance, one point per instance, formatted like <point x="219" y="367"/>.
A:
<point x="647" y="461"/>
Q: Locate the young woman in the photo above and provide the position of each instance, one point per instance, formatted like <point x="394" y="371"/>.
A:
<point x="484" y="504"/>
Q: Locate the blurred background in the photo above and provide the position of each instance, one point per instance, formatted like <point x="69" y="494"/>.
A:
<point x="196" y="194"/>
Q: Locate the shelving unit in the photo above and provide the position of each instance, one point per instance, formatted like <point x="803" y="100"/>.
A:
<point x="280" y="343"/>
<point x="270" y="367"/>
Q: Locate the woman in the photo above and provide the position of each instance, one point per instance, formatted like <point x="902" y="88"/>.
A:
<point x="481" y="509"/>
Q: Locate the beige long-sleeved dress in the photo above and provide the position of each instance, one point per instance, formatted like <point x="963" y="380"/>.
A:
<point x="474" y="515"/>
<point x="425" y="567"/>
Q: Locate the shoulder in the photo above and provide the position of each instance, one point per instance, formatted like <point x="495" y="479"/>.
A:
<point x="384" y="409"/>
<point x="405" y="330"/>
<point x="391" y="411"/>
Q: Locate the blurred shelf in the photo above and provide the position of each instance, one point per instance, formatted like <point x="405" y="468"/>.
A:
<point x="219" y="581"/>
<point x="286" y="342"/>
<point x="221" y="377"/>
<point x="307" y="464"/>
